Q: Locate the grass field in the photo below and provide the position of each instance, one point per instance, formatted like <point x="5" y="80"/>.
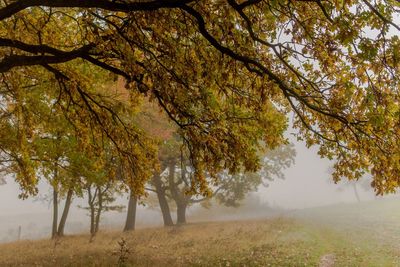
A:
<point x="377" y="221"/>
<point x="352" y="235"/>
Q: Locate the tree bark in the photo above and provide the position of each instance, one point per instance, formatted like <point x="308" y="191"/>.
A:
<point x="179" y="198"/>
<point x="100" y="208"/>
<point x="181" y="212"/>
<point x="55" y="213"/>
<point x="162" y="200"/>
<point x="131" y="214"/>
<point x="92" y="209"/>
<point x="92" y="215"/>
<point x="64" y="216"/>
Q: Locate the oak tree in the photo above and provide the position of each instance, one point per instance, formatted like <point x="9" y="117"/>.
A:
<point x="223" y="70"/>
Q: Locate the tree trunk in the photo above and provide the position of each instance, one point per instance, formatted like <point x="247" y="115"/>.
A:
<point x="131" y="214"/>
<point x="63" y="220"/>
<point x="162" y="200"/>
<point x="92" y="215"/>
<point x="178" y="197"/>
<point x="92" y="209"/>
<point x="356" y="192"/>
<point x="166" y="213"/>
<point x="100" y="207"/>
<point x="181" y="213"/>
<point x="55" y="213"/>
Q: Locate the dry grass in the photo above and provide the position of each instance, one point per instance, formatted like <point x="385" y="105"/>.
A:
<point x="277" y="242"/>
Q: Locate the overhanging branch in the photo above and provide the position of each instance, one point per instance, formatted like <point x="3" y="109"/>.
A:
<point x="120" y="6"/>
<point x="57" y="56"/>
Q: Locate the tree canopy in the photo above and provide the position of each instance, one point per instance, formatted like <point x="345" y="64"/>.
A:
<point x="227" y="73"/>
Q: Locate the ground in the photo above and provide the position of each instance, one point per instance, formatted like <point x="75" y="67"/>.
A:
<point x="303" y="240"/>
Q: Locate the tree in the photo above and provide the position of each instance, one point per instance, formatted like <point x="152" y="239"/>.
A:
<point x="36" y="147"/>
<point x="218" y="67"/>
<point x="157" y="126"/>
<point x="46" y="135"/>
<point x="172" y="183"/>
<point x="233" y="188"/>
<point x="100" y="199"/>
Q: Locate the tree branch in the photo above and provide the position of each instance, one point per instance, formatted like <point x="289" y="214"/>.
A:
<point x="128" y="6"/>
<point x="58" y="56"/>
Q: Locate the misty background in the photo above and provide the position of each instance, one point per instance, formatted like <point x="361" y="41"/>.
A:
<point x="307" y="184"/>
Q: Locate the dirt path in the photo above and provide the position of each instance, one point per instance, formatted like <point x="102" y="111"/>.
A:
<point x="328" y="260"/>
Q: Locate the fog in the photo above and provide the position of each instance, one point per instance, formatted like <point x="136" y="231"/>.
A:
<point x="306" y="185"/>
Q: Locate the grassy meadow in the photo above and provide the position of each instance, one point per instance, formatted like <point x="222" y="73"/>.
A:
<point x="362" y="234"/>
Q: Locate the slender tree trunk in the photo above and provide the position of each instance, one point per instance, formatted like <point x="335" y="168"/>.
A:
<point x="64" y="215"/>
<point x="131" y="214"/>
<point x="181" y="212"/>
<point x="356" y="192"/>
<point x="162" y="200"/>
<point x="91" y="200"/>
<point x="100" y="208"/>
<point x="92" y="215"/>
<point x="55" y="213"/>
<point x="55" y="203"/>
<point x="97" y="222"/>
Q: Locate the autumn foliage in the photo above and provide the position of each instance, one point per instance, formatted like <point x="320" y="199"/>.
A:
<point x="227" y="74"/>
